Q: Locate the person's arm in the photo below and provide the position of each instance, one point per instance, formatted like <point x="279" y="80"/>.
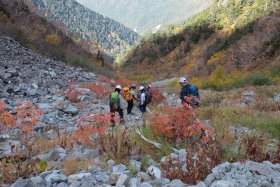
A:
<point x="184" y="92"/>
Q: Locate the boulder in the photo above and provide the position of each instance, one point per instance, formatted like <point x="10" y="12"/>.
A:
<point x="175" y="183"/>
<point x="145" y="184"/>
<point x="23" y="183"/>
<point x="258" y="168"/>
<point x="77" y="177"/>
<point x="38" y="181"/>
<point x="134" y="182"/>
<point x="119" y="168"/>
<point x="222" y="183"/>
<point x="154" y="172"/>
<point x="70" y="109"/>
<point x="135" y="164"/>
<point x="123" y="180"/>
<point x="55" y="178"/>
<point x="114" y="177"/>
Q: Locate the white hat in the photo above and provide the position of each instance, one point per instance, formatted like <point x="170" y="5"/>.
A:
<point x="141" y="88"/>
<point x="118" y="87"/>
<point x="182" y="80"/>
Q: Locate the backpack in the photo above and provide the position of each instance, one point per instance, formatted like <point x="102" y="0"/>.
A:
<point x="115" y="100"/>
<point x="139" y="94"/>
<point x="194" y="91"/>
<point x="148" y="97"/>
<point x="126" y="94"/>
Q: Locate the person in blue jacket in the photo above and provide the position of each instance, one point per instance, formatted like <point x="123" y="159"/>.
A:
<point x="189" y="91"/>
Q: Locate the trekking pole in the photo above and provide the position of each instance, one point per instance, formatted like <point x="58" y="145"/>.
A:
<point x="149" y="110"/>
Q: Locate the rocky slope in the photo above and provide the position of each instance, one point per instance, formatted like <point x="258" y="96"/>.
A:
<point x="112" y="36"/>
<point x="28" y="76"/>
<point x="145" y="15"/>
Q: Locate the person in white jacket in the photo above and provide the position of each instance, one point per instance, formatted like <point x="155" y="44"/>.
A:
<point x="142" y="101"/>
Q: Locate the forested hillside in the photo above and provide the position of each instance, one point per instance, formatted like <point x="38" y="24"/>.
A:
<point x="112" y="36"/>
<point x="231" y="44"/>
<point x="20" y="21"/>
<point x="145" y="15"/>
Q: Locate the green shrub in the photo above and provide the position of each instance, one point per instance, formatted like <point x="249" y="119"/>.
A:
<point x="19" y="34"/>
<point x="275" y="72"/>
<point x="259" y="79"/>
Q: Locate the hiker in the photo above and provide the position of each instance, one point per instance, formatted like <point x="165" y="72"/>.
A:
<point x="148" y="94"/>
<point x="142" y="99"/>
<point x="129" y="96"/>
<point x="189" y="91"/>
<point x="115" y="105"/>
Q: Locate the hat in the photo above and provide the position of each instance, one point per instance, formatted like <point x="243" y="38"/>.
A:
<point x="118" y="87"/>
<point x="182" y="80"/>
<point x="149" y="86"/>
<point x="133" y="86"/>
<point x="141" y="88"/>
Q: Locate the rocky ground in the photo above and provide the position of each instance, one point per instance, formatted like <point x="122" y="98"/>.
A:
<point x="26" y="75"/>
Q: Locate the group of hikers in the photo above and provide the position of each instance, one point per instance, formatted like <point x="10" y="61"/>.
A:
<point x="143" y="97"/>
<point x="189" y="95"/>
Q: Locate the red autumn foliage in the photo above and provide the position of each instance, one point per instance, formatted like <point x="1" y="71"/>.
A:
<point x="207" y="156"/>
<point x="104" y="79"/>
<point x="73" y="94"/>
<point x="25" y="116"/>
<point x="92" y="125"/>
<point x="101" y="90"/>
<point x="177" y="124"/>
<point x="158" y="98"/>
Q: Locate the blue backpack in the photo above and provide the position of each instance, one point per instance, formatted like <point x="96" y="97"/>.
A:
<point x="194" y="91"/>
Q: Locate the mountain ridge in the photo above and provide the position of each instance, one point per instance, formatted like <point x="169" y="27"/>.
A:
<point x="112" y="36"/>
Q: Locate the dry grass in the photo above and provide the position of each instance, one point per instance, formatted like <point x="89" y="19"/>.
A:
<point x="72" y="166"/>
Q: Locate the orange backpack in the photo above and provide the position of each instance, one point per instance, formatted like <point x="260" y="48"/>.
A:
<point x="126" y="94"/>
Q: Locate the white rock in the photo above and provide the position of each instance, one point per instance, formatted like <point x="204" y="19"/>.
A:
<point x="55" y="178"/>
<point x="222" y="183"/>
<point x="154" y="172"/>
<point x="123" y="180"/>
<point x="77" y="177"/>
<point x="257" y="167"/>
<point x="175" y="183"/>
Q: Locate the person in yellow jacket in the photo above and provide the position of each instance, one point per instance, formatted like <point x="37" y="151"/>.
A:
<point x="129" y="95"/>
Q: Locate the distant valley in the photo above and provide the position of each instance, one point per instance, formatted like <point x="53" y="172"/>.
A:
<point x="145" y="15"/>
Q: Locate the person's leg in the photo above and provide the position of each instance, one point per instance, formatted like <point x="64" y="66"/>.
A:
<point x="129" y="106"/>
<point x="112" y="111"/>
<point x="144" y="108"/>
<point x="120" y="111"/>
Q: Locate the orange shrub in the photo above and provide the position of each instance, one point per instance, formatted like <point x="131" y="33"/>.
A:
<point x="52" y="39"/>
<point x="102" y="91"/>
<point x="25" y="116"/>
<point x="158" y="98"/>
<point x="179" y="124"/>
<point x="92" y="125"/>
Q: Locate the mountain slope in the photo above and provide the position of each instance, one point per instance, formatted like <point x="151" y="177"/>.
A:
<point x="112" y="36"/>
<point x="230" y="39"/>
<point x="20" y="21"/>
<point x="144" y="15"/>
